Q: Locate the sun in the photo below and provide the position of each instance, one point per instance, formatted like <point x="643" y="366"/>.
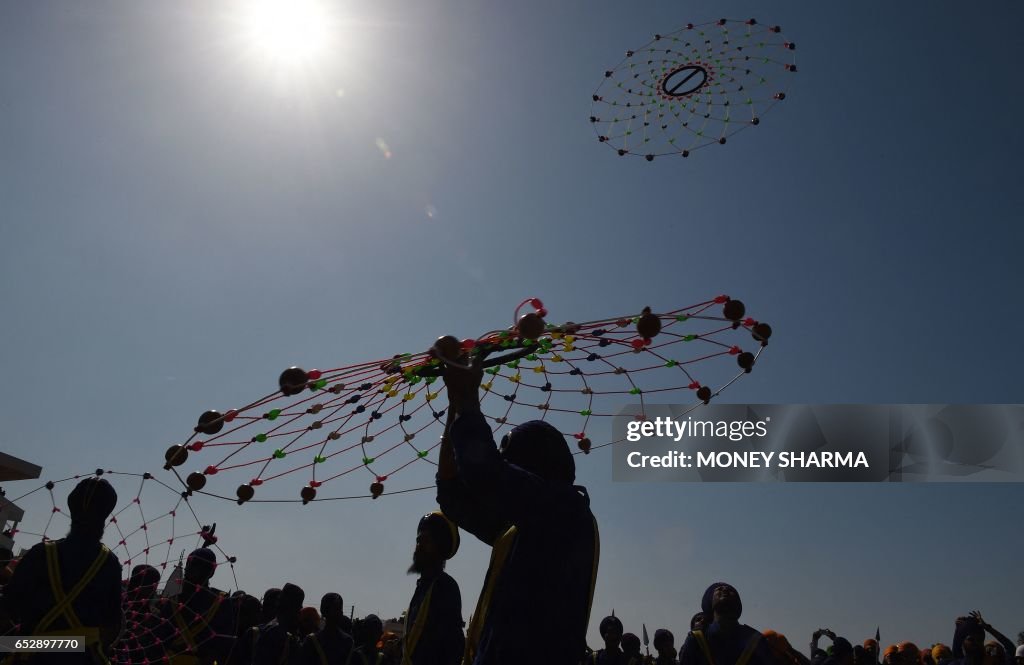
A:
<point x="287" y="32"/>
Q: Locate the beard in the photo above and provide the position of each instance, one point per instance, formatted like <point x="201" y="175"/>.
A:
<point x="416" y="567"/>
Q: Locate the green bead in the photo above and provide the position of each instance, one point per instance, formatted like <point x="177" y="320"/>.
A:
<point x="585" y="412"/>
<point x="492" y="371"/>
<point x="422" y="453"/>
<point x="689" y="338"/>
<point x="671" y="363"/>
<point x="532" y="356"/>
<point x="279" y="454"/>
<point x="682" y="317"/>
<point x="320" y="384"/>
<point x="260" y="438"/>
<point x="429" y="380"/>
<point x="634" y="391"/>
<point x="319" y="460"/>
<point x="513" y="364"/>
<point x="273" y="414"/>
<point x="368" y="460"/>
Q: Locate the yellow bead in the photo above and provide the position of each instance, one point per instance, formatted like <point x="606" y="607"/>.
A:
<point x="569" y="339"/>
<point x="392" y="393"/>
<point x="408" y="396"/>
<point x="487" y="386"/>
<point x="539" y="369"/>
<point x="514" y="378"/>
<point x="431" y="396"/>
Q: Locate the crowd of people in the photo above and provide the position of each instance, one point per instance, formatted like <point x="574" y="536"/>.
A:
<point x="519" y="497"/>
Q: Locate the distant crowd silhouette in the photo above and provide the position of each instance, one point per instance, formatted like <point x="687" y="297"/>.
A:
<point x="519" y="497"/>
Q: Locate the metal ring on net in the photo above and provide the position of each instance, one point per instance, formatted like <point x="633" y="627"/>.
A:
<point x="370" y="419"/>
<point x="692" y="88"/>
<point x="154" y="525"/>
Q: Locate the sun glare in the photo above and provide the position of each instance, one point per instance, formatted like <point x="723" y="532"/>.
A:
<point x="289" y="32"/>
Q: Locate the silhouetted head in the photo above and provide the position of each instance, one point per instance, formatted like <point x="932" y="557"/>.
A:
<point x="611" y="632"/>
<point x="630" y="644"/>
<point x="871" y="649"/>
<point x="309" y="620"/>
<point x="249" y="611"/>
<point x="995" y="654"/>
<point x="332" y="609"/>
<point x="268" y="606"/>
<point x="842" y="651"/>
<point x="371" y="628"/>
<point x="437" y="540"/>
<point x="89" y="505"/>
<point x="539" y="448"/>
<point x="721" y="601"/>
<point x="289" y="605"/>
<point x="145" y="578"/>
<point x="200" y="566"/>
<point x="664" y="640"/>
<point x="941" y="653"/>
<point x="698" y="622"/>
<point x="1020" y="655"/>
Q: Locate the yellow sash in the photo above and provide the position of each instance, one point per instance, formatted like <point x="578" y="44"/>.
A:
<point x="63" y="605"/>
<point x="706" y="648"/>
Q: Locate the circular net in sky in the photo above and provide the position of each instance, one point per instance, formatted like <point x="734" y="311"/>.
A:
<point x="330" y="434"/>
<point x="693" y="87"/>
<point x="155" y="525"/>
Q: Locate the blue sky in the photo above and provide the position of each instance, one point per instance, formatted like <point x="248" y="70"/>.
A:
<point x="182" y="220"/>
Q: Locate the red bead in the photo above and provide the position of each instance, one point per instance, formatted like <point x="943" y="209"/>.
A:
<point x="722" y="299"/>
<point x="536" y="303"/>
<point x="195" y="446"/>
<point x="211" y="471"/>
<point x="314" y="374"/>
<point x="255" y="482"/>
<point x="637" y="343"/>
<point x="230" y="415"/>
<point x="468" y="344"/>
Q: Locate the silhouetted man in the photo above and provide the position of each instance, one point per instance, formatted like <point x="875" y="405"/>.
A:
<point x="83" y="598"/>
<point x="433" y="622"/>
<point x="535" y="604"/>
<point x="725" y="641"/>
<point x="330" y="645"/>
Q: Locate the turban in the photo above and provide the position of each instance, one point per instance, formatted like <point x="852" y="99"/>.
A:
<point x="309" y="620"/>
<point x="1020" y="651"/>
<point x="610" y="623"/>
<point x="540" y="449"/>
<point x="841" y="646"/>
<point x="291" y="595"/>
<point x="776" y="641"/>
<point x="630" y="642"/>
<point x="144" y="576"/>
<point x="709" y="596"/>
<point x="909" y="651"/>
<point x="663" y="635"/>
<point x="92" y="500"/>
<point x="444" y="532"/>
<point x="890" y="651"/>
<point x="871" y="644"/>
